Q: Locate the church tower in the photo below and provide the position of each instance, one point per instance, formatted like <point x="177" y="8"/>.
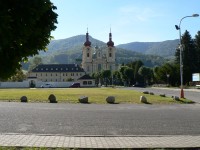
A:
<point x="110" y="53"/>
<point x="103" y="58"/>
<point x="87" y="55"/>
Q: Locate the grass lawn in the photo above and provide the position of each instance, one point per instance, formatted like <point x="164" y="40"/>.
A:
<point x="95" y="95"/>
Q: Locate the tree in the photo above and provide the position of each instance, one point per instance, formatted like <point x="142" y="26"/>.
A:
<point x="98" y="77"/>
<point x="160" y="73"/>
<point x="19" y="76"/>
<point x="135" y="65"/>
<point x="129" y="72"/>
<point x="122" y="74"/>
<point x="25" y="28"/>
<point x="138" y="64"/>
<point x="35" y="62"/>
<point x="146" y="73"/>
<point x="117" y="77"/>
<point x="106" y="74"/>
<point x="197" y="47"/>
<point x="189" y="57"/>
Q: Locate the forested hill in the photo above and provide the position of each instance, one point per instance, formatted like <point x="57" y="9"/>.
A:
<point x="165" y="48"/>
<point x="70" y="49"/>
<point x="64" y="45"/>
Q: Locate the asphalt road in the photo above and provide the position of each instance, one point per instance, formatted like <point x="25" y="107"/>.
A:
<point x="93" y="119"/>
<point x="192" y="94"/>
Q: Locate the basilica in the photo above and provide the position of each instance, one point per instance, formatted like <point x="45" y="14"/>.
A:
<point x="96" y="59"/>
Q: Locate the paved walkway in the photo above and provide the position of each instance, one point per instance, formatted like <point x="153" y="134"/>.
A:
<point x="22" y="140"/>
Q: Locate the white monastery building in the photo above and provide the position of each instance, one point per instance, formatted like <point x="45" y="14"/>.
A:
<point x="94" y="59"/>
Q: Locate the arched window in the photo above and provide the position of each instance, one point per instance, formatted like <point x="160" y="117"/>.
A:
<point x="99" y="67"/>
<point x="88" y="68"/>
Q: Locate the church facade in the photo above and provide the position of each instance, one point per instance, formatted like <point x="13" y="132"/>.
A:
<point x="96" y="59"/>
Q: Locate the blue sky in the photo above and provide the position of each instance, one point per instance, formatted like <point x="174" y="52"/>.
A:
<point x="130" y="20"/>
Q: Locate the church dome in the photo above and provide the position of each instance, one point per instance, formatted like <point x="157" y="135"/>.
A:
<point x="110" y="43"/>
<point x="87" y="42"/>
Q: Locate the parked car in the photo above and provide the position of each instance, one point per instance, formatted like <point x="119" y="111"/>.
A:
<point x="75" y="85"/>
<point x="46" y="85"/>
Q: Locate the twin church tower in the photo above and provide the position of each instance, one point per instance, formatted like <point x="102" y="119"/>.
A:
<point x="96" y="59"/>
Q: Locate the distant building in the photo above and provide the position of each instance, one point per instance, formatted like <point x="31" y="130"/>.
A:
<point x="94" y="59"/>
<point x="86" y="81"/>
<point x="56" y="72"/>
<point x="97" y="59"/>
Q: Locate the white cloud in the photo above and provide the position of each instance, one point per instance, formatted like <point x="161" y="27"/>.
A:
<point x="142" y="14"/>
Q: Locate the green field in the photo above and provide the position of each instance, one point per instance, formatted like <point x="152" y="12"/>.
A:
<point x="95" y="95"/>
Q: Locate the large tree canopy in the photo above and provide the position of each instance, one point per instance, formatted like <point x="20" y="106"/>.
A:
<point x="25" y="28"/>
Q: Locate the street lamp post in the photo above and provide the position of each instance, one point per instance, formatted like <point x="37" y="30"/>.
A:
<point x="181" y="49"/>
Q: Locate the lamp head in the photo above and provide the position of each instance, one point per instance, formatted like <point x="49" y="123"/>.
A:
<point x="195" y="15"/>
<point x="177" y="27"/>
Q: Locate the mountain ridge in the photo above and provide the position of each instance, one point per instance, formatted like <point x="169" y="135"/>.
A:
<point x="70" y="49"/>
<point x="164" y="48"/>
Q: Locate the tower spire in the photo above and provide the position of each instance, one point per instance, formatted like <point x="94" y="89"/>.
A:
<point x="87" y="42"/>
<point x="110" y="43"/>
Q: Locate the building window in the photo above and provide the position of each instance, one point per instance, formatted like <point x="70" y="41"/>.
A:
<point x="110" y="54"/>
<point x="76" y="74"/>
<point x="99" y="67"/>
<point x="72" y="74"/>
<point x="41" y="74"/>
<point x="56" y="74"/>
<point x="99" y="54"/>
<point x="88" y="54"/>
<point x="89" y="82"/>
<point x="51" y="68"/>
<point x="46" y="74"/>
<point x="88" y="68"/>
<point x="84" y="82"/>
<point x="80" y="74"/>
<point x="46" y="68"/>
<point x="66" y="74"/>
<point x="63" y="74"/>
<point x="51" y="74"/>
<point x="36" y="74"/>
<point x="66" y="68"/>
